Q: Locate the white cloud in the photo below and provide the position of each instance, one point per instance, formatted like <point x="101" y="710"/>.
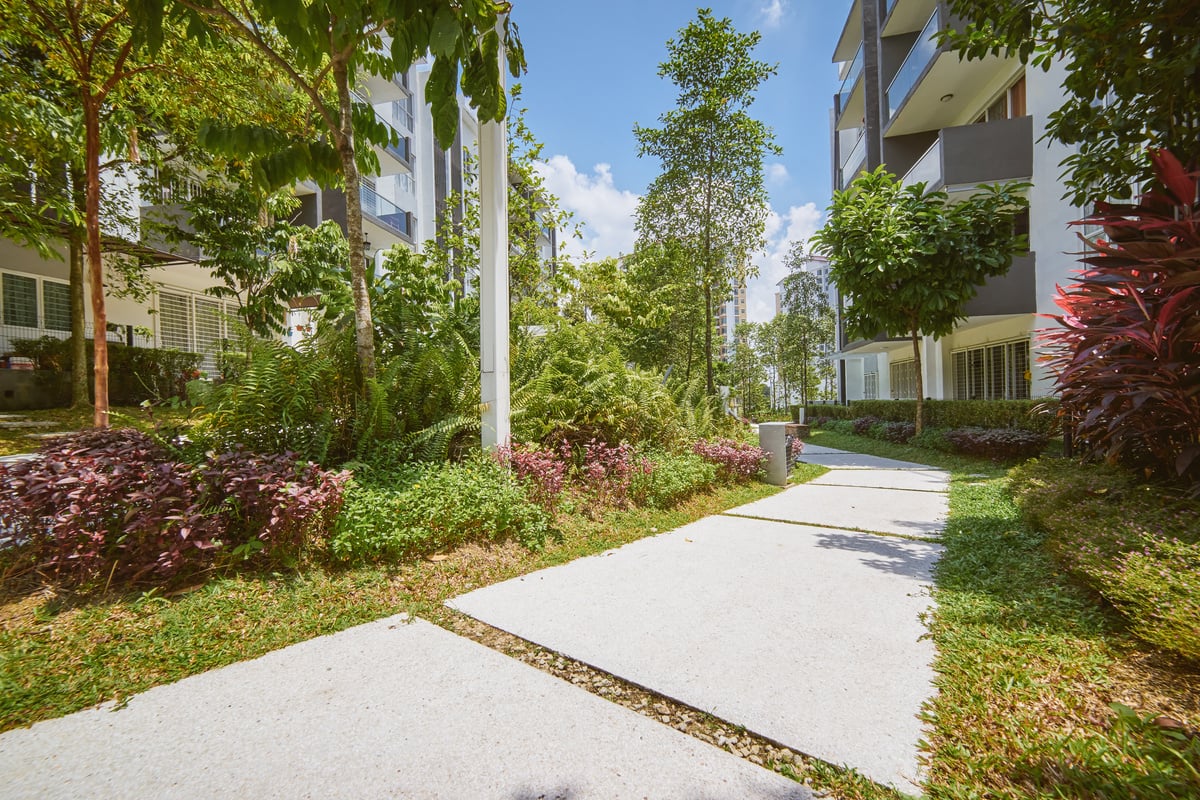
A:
<point x="772" y="13"/>
<point x="605" y="212"/>
<point x="797" y="225"/>
<point x="777" y="173"/>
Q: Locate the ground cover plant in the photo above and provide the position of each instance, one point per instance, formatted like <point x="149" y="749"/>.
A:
<point x="146" y="419"/>
<point x="1135" y="543"/>
<point x="1002" y="445"/>
<point x="1042" y="691"/>
<point x="116" y="504"/>
<point x="61" y="651"/>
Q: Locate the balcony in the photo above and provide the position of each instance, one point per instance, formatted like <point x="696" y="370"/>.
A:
<point x="1014" y="292"/>
<point x="853" y="163"/>
<point x="906" y="16"/>
<point x="933" y="88"/>
<point x="387" y="214"/>
<point x="850" y="97"/>
<point x="915" y="64"/>
<point x="852" y="33"/>
<point x="967" y="155"/>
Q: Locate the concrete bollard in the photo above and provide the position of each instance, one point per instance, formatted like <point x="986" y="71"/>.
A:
<point x="772" y="437"/>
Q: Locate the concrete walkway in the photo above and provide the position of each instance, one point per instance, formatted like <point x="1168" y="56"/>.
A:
<point x="776" y="615"/>
<point x="801" y="631"/>
<point x="384" y="710"/>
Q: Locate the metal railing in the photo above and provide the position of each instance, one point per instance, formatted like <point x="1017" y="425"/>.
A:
<point x="850" y="81"/>
<point x="922" y="52"/>
<point x="386" y="212"/>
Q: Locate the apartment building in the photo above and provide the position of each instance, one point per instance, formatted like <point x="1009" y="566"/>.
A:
<point x="729" y="314"/>
<point x="932" y="118"/>
<point x="401" y="205"/>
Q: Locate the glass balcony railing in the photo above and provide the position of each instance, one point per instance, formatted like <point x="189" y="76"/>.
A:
<point x="851" y="80"/>
<point x="910" y="71"/>
<point x="856" y="153"/>
<point x="386" y="211"/>
<point x="402" y="150"/>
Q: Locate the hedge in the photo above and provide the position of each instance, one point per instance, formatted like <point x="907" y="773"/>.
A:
<point x="1038" y="416"/>
<point x="134" y="373"/>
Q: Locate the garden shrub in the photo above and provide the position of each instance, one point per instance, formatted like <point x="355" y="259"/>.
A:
<point x="135" y="374"/>
<point x="116" y="504"/>
<point x="1134" y="543"/>
<point x="1126" y="350"/>
<point x="606" y="472"/>
<point x="932" y="439"/>
<point x="898" y="432"/>
<point x="862" y="425"/>
<point x="842" y="426"/>
<point x="1038" y="415"/>
<point x="735" y="461"/>
<point x="998" y="444"/>
<point x="672" y="478"/>
<point x="444" y="506"/>
<point x="542" y="471"/>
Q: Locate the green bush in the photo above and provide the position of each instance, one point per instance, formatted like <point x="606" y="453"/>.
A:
<point x="1038" y="416"/>
<point x="674" y="478"/>
<point x="135" y="374"/>
<point x="1132" y="542"/>
<point x="933" y="439"/>
<point x="439" y="506"/>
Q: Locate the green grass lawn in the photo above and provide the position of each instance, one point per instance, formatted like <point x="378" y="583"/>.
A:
<point x="13" y="441"/>
<point x="60" y="653"/>
<point x="1030" y="664"/>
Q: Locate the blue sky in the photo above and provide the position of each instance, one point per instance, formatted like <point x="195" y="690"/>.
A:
<point x="593" y="74"/>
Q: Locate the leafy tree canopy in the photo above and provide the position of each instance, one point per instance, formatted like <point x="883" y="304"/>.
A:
<point x="1133" y="79"/>
<point x="909" y="260"/>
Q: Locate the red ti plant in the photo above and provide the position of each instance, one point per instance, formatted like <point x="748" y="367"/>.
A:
<point x="1127" y="353"/>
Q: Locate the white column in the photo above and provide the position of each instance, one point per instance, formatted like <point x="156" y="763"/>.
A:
<point x="493" y="278"/>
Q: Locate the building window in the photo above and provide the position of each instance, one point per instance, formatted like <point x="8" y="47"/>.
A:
<point x="20" y="300"/>
<point x="992" y="372"/>
<point x="871" y="386"/>
<point x="903" y="375"/>
<point x="56" y="306"/>
<point x="1009" y="105"/>
<point x="194" y="324"/>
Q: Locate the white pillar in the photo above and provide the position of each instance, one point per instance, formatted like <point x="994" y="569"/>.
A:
<point x="493" y="277"/>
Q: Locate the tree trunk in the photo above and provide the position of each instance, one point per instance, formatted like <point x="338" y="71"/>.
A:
<point x="91" y="127"/>
<point x="364" y="329"/>
<point x="919" y="422"/>
<point x="80" y="389"/>
<point x="710" y="386"/>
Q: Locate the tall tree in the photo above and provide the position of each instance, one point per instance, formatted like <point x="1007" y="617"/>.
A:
<point x="709" y="198"/>
<point x="327" y="48"/>
<point x="89" y="49"/>
<point x="909" y="260"/>
<point x="809" y="318"/>
<point x="1133" y="79"/>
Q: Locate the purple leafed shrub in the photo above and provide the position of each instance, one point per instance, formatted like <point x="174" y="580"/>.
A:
<point x="899" y="432"/>
<point x="862" y="425"/>
<point x="1127" y="351"/>
<point x="542" y="472"/>
<point x="999" y="444"/>
<point x="114" y="504"/>
<point x="735" y="461"/>
<point x="607" y="471"/>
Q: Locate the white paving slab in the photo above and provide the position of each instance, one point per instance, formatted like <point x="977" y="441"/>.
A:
<point x="810" y="637"/>
<point x="925" y="480"/>
<point x="385" y="710"/>
<point x="846" y="460"/>
<point x="903" y="513"/>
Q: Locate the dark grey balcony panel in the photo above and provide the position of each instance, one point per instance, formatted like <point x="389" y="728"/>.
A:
<point x="892" y="52"/>
<point x="1011" y="293"/>
<point x="901" y="152"/>
<point x="987" y="152"/>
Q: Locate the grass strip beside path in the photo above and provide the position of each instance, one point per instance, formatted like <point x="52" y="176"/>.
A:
<point x="60" y="653"/>
<point x="1030" y="664"/>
